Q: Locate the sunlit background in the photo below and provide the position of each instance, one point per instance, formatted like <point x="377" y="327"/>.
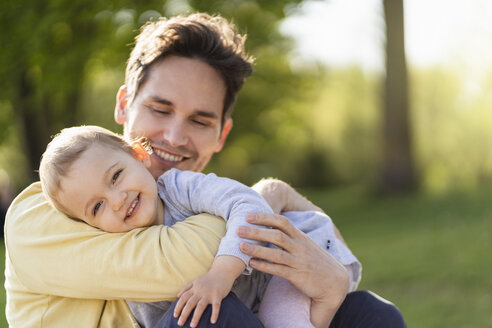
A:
<point x="449" y="55"/>
<point x="440" y="33"/>
<point x="312" y="115"/>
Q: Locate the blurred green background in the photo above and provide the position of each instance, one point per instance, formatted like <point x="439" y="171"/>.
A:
<point x="323" y="127"/>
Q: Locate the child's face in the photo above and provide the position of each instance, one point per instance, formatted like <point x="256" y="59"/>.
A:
<point x="111" y="190"/>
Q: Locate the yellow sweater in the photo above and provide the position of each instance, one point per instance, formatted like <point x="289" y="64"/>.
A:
<point x="64" y="273"/>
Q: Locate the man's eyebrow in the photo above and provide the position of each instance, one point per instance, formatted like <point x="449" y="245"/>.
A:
<point x="105" y="178"/>
<point x="161" y="101"/>
<point x="207" y="114"/>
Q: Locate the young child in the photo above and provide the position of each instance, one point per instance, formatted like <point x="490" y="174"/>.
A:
<point x="94" y="175"/>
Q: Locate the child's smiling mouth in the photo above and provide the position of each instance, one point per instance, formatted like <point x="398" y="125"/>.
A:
<point x="132" y="209"/>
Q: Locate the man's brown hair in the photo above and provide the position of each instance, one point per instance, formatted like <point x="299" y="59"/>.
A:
<point x="211" y="39"/>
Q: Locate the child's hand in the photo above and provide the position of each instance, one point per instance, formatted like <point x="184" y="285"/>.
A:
<point x="211" y="288"/>
<point x="207" y="289"/>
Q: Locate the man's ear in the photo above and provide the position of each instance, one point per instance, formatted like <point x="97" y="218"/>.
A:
<point x="121" y="105"/>
<point x="223" y="135"/>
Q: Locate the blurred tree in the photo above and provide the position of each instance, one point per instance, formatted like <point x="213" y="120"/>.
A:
<point x="253" y="149"/>
<point x="398" y="169"/>
<point x="47" y="47"/>
<point x="53" y="47"/>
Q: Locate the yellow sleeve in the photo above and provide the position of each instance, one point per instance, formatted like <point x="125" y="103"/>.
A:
<point x="52" y="254"/>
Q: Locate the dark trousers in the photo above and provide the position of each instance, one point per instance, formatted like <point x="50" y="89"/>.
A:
<point x="233" y="313"/>
<point x="364" y="309"/>
<point x="360" y="309"/>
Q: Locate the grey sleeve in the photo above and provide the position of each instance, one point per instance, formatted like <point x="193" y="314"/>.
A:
<point x="319" y="227"/>
<point x="193" y="193"/>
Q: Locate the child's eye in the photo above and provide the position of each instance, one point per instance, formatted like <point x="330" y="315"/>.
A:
<point x="115" y="176"/>
<point x="96" y="208"/>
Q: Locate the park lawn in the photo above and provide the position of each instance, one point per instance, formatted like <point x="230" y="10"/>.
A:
<point x="427" y="254"/>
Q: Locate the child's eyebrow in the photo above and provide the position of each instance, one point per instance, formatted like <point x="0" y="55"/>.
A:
<point x="105" y="178"/>
<point x="108" y="171"/>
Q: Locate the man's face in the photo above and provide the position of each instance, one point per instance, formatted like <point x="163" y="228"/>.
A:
<point x="179" y="109"/>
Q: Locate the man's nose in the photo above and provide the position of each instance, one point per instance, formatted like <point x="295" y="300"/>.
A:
<point x="118" y="199"/>
<point x="175" y="135"/>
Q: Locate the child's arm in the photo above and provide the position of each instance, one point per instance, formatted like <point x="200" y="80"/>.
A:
<point x="186" y="193"/>
<point x="210" y="288"/>
<point x="41" y="243"/>
<point x="282" y="197"/>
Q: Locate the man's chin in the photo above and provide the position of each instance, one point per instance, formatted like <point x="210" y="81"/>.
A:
<point x="157" y="172"/>
<point x="159" y="166"/>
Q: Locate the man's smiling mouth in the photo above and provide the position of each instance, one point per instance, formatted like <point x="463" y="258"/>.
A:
<point x="168" y="157"/>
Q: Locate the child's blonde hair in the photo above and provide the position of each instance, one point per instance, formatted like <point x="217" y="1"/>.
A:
<point x="65" y="148"/>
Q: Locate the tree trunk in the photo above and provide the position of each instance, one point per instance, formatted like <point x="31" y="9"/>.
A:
<point x="398" y="170"/>
<point x="34" y="127"/>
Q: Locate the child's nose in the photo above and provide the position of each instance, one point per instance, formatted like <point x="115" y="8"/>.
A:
<point x="118" y="199"/>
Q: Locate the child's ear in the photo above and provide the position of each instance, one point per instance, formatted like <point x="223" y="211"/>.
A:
<point x="140" y="153"/>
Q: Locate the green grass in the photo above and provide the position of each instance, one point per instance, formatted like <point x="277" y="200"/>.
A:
<point x="427" y="254"/>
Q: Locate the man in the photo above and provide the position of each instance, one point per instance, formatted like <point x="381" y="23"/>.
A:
<point x="181" y="82"/>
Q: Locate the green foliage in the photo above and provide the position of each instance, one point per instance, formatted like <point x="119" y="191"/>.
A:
<point x="50" y="46"/>
<point x="426" y="253"/>
<point x="322" y="131"/>
<point x="452" y="120"/>
<point x="63" y="62"/>
<point x="327" y="131"/>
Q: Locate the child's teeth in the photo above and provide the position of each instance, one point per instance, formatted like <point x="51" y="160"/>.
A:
<point x="130" y="210"/>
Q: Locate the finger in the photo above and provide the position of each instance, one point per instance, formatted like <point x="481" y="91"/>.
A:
<point x="272" y="268"/>
<point x="181" y="303"/>
<point x="185" y="288"/>
<point x="276" y="221"/>
<point x="275" y="255"/>
<point x="273" y="236"/>
<point x="185" y="313"/>
<point x="215" y="312"/>
<point x="200" y="307"/>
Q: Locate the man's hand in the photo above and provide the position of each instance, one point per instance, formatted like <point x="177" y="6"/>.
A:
<point x="299" y="260"/>
<point x="283" y="198"/>
<point x="211" y="288"/>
